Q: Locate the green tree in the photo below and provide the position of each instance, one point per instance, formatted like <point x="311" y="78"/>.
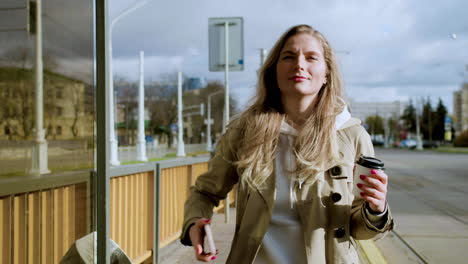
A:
<point x="439" y="121"/>
<point x="427" y="124"/>
<point x="376" y="124"/>
<point x="409" y="117"/>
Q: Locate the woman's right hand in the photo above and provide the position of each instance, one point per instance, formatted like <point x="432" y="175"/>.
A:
<point x="197" y="236"/>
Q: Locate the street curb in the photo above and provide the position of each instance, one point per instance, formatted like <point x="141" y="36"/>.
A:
<point x="371" y="252"/>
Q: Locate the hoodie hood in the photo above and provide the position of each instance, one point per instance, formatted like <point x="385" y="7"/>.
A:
<point x="343" y="120"/>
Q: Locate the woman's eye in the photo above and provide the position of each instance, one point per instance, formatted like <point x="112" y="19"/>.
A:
<point x="312" y="58"/>
<point x="287" y="57"/>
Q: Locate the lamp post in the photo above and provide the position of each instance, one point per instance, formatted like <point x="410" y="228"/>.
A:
<point x="180" y="135"/>
<point x="226" y="79"/>
<point x="209" y="121"/>
<point x="141" y="143"/>
<point x="114" y="161"/>
<point x="39" y="153"/>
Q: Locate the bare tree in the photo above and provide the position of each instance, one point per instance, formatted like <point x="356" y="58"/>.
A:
<point x="17" y="97"/>
<point x="162" y="106"/>
<point x="127" y="102"/>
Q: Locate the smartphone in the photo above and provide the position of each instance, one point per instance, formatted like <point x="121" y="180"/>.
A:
<point x="209" y="237"/>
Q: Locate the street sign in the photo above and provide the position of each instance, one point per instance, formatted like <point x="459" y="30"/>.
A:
<point x="216" y="30"/>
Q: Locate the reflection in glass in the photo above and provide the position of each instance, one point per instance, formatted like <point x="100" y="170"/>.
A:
<point x="45" y="212"/>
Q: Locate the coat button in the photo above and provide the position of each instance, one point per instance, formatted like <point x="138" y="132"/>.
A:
<point x="336" y="170"/>
<point x="336" y="197"/>
<point x="340" y="232"/>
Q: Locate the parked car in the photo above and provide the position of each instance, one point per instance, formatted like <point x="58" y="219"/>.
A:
<point x="430" y="144"/>
<point x="377" y="142"/>
<point x="408" y="143"/>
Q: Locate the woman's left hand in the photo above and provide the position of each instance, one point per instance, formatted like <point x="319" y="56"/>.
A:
<point x="374" y="191"/>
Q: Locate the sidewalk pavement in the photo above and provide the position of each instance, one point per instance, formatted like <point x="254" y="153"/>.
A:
<point x="176" y="253"/>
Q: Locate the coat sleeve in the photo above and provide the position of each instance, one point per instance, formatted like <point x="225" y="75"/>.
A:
<point x="212" y="186"/>
<point x="361" y="226"/>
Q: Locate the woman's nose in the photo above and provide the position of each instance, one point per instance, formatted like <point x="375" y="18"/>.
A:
<point x="299" y="63"/>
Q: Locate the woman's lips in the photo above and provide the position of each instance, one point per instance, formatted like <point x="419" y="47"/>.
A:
<point x="298" y="78"/>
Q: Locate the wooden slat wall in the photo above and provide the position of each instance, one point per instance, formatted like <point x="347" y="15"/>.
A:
<point x="5" y="229"/>
<point x="39" y="227"/>
<point x="131" y="210"/>
<point x="175" y="184"/>
<point x="174" y="191"/>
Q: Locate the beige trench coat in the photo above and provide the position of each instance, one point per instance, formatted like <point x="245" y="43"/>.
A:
<point x="326" y="204"/>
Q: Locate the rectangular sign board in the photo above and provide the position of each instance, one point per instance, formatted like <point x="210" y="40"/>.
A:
<point x="216" y="32"/>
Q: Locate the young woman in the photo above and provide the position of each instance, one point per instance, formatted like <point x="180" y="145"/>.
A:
<point x="292" y="153"/>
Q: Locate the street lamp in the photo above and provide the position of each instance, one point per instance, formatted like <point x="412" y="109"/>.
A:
<point x="39" y="152"/>
<point x="209" y="121"/>
<point x="112" y="137"/>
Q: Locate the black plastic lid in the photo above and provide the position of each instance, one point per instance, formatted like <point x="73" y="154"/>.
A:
<point x="370" y="162"/>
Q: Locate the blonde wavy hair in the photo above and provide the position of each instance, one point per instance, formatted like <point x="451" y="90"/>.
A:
<point x="315" y="146"/>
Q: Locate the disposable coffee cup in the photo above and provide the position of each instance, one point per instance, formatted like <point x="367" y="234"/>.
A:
<point x="363" y="167"/>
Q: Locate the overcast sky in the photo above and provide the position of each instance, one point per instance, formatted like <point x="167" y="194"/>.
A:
<point x="388" y="50"/>
<point x="396" y="49"/>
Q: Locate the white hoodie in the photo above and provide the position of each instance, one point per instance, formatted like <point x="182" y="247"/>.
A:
<point x="284" y="241"/>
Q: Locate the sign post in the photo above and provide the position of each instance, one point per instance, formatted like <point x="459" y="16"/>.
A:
<point x="229" y="58"/>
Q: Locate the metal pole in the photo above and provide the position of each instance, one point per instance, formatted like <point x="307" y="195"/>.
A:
<point x="209" y="122"/>
<point x="208" y="125"/>
<point x="102" y="254"/>
<point x="226" y="101"/>
<point x="114" y="160"/>
<point x="141" y="143"/>
<point x="180" y="134"/>
<point x="418" y="133"/>
<point x="39" y="151"/>
<point x="226" y="75"/>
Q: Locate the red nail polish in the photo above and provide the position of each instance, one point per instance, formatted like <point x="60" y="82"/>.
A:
<point x="359" y="185"/>
<point x="213" y="257"/>
<point x="373" y="171"/>
<point x="362" y="194"/>
<point x="207" y="220"/>
<point x="362" y="177"/>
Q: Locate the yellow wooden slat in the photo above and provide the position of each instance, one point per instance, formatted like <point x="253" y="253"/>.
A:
<point x="66" y="220"/>
<point x="150" y="211"/>
<point x="58" y="226"/>
<point x="119" y="208"/>
<point x="162" y="205"/>
<point x="81" y="210"/>
<point x="112" y="208"/>
<point x="33" y="227"/>
<point x="141" y="213"/>
<point x="125" y="208"/>
<point x="132" y="215"/>
<point x="47" y="241"/>
<point x="19" y="229"/>
<point x="5" y="234"/>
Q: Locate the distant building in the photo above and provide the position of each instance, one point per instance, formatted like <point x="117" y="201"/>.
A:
<point x="68" y="106"/>
<point x="362" y="110"/>
<point x="460" y="109"/>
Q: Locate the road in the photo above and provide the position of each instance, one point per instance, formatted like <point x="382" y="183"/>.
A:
<point x="428" y="196"/>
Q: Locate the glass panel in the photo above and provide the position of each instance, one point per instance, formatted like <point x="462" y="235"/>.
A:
<point x="401" y="61"/>
<point x="47" y="127"/>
